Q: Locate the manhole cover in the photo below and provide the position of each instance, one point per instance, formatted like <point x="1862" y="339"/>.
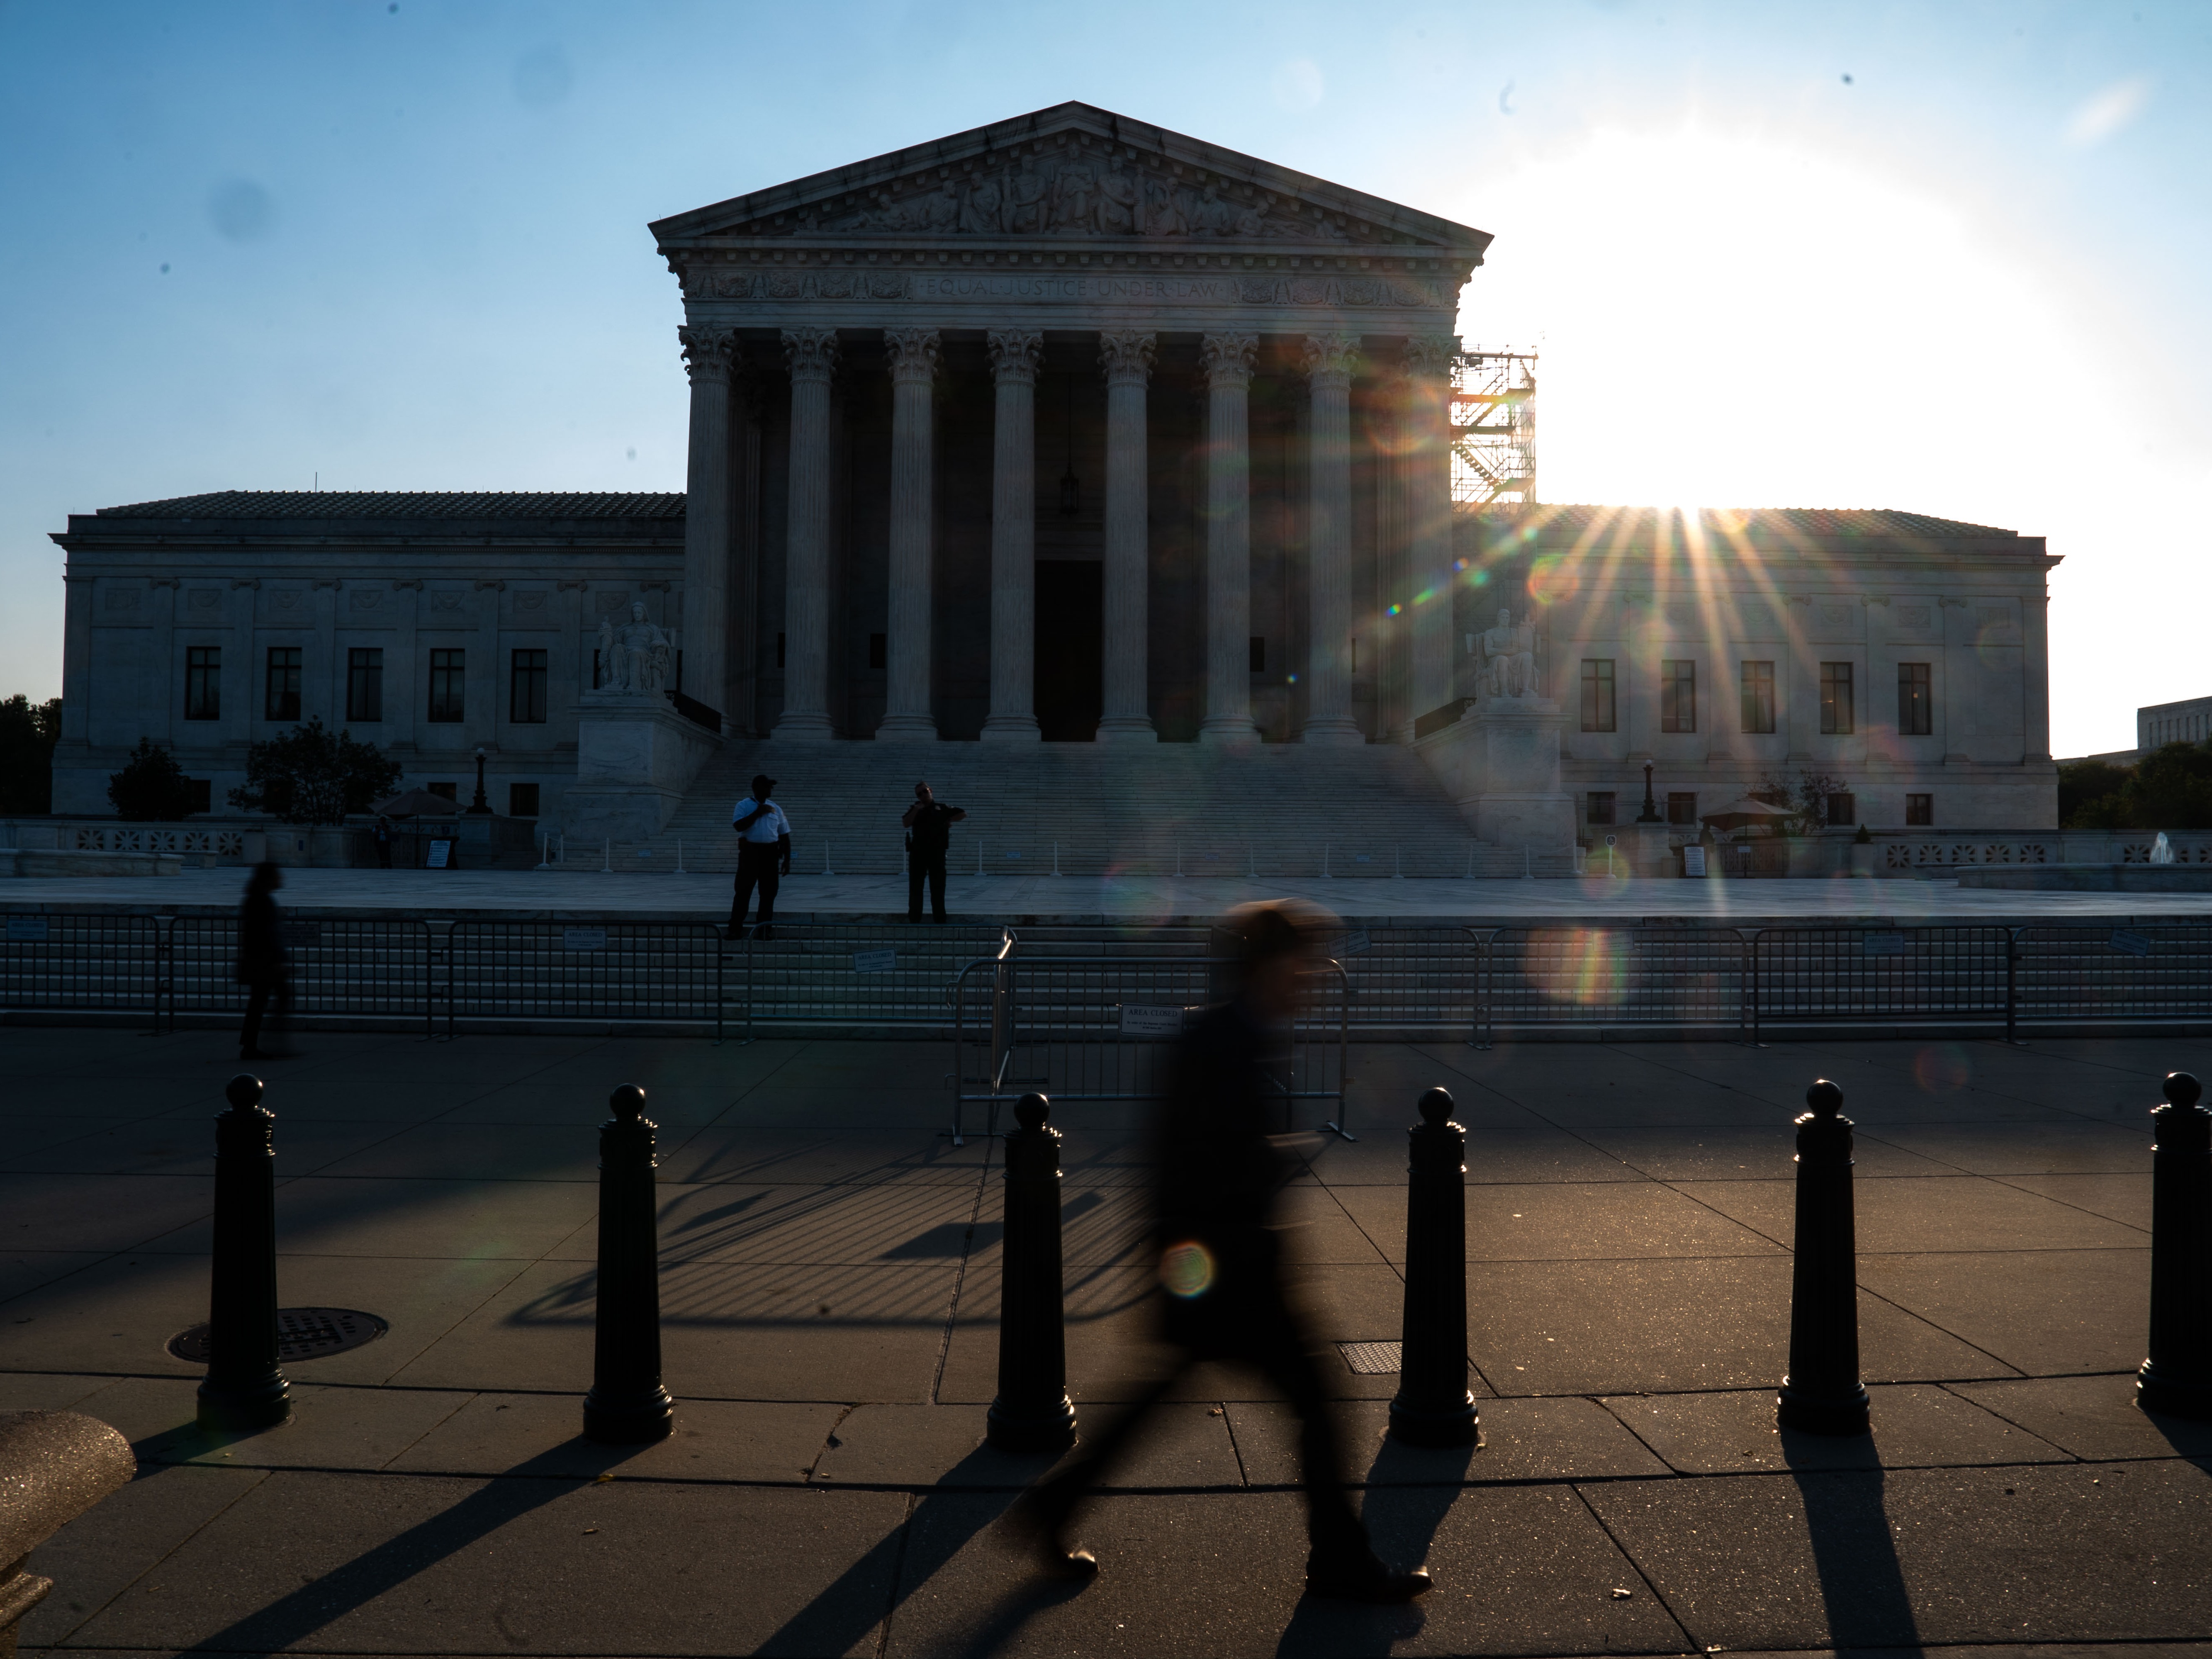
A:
<point x="301" y="1334"/>
<point x="1371" y="1358"/>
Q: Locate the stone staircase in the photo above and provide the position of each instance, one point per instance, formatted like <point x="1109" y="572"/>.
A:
<point x="1276" y="811"/>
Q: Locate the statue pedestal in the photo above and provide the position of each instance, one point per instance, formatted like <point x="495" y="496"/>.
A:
<point x="634" y="757"/>
<point x="1501" y="764"/>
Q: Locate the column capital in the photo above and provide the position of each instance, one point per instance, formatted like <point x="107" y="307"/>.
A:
<point x="813" y="353"/>
<point x="1014" y="355"/>
<point x="1127" y="356"/>
<point x="1332" y="358"/>
<point x="709" y="352"/>
<point x="914" y="355"/>
<point x="1429" y="357"/>
<point x="1228" y="358"/>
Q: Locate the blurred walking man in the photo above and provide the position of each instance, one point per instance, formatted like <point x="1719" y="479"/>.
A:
<point x="763" y="855"/>
<point x="262" y="968"/>
<point x="928" y="835"/>
<point x="1215" y="1180"/>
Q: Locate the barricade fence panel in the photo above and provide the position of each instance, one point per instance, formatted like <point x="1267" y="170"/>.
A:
<point x="852" y="973"/>
<point x="90" y="960"/>
<point x="1656" y="976"/>
<point x="2143" y="971"/>
<point x="367" y="966"/>
<point x="1913" y="976"/>
<point x="595" y="970"/>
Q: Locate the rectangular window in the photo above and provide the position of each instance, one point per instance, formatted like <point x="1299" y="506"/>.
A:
<point x="522" y="800"/>
<point x="1597" y="694"/>
<point x="204" y="682"/>
<point x="282" y="702"/>
<point x="1678" y="695"/>
<point x="365" y="683"/>
<point x="1916" y="700"/>
<point x="1920" y="812"/>
<point x="880" y="650"/>
<point x="1835" y="712"/>
<point x="450" y="791"/>
<point x="199" y="795"/>
<point x="1681" y="807"/>
<point x="448" y="686"/>
<point x="1597" y="807"/>
<point x="526" y="689"/>
<point x="1259" y="653"/>
<point x="1843" y="810"/>
<point x="1758" y="697"/>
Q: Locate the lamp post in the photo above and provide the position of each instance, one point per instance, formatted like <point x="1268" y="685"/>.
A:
<point x="1650" y="815"/>
<point x="482" y="807"/>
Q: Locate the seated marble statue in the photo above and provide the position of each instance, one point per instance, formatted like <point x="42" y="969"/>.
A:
<point x="1508" y="653"/>
<point x="634" y="656"/>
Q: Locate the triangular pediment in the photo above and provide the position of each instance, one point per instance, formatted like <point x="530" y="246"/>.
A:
<point x="1079" y="175"/>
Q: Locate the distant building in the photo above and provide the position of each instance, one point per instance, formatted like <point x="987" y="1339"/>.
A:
<point x="2173" y="723"/>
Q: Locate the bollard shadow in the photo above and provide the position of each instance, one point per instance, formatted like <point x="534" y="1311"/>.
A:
<point x="291" y="1619"/>
<point x="1862" y="1586"/>
<point x="945" y="1520"/>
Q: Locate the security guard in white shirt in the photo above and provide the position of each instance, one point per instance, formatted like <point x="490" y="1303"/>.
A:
<point x="763" y="855"/>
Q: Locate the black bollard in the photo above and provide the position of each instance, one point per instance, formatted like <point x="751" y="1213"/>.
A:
<point x="1032" y="1413"/>
<point x="1434" y="1406"/>
<point x="627" y="1405"/>
<point x="244" y="1388"/>
<point x="1823" y="1395"/>
<point x="2177" y="1378"/>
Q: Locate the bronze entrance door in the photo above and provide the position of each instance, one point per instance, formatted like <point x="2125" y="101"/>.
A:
<point x="1070" y="650"/>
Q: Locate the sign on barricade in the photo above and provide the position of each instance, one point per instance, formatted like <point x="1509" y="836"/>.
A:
<point x="1139" y="1021"/>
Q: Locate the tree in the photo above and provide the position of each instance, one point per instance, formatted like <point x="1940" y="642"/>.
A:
<point x="151" y="787"/>
<point x="28" y="731"/>
<point x="1806" y="799"/>
<point x="2171" y="788"/>
<point x="2090" y="794"/>
<point x="315" y="776"/>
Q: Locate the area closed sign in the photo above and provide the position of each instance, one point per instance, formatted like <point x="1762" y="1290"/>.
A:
<point x="1139" y="1021"/>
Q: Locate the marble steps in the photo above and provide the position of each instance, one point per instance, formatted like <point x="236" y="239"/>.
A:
<point x="1374" y="812"/>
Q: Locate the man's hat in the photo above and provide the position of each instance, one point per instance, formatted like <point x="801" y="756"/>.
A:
<point x="762" y="780"/>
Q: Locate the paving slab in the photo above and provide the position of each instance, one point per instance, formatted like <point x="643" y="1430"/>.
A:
<point x="26" y="1270"/>
<point x="369" y="1562"/>
<point x="729" y="1330"/>
<point x="480" y="1152"/>
<point x="898" y="1221"/>
<point x="182" y="1145"/>
<point x="1519" y="1571"/>
<point x="2039" y="1311"/>
<point x="1568" y="1221"/>
<point x="816" y="1157"/>
<point x="754" y="1440"/>
<point x="1506" y="1157"/>
<point x="1522" y="1440"/>
<point x="115" y="1549"/>
<point x="1767" y="1152"/>
<point x="1915" y="1425"/>
<point x="1925" y="1213"/>
<point x="2092" y="1417"/>
<point x="331" y="1428"/>
<point x="47" y="1391"/>
<point x="1184" y="1445"/>
<point x="97" y="1213"/>
<point x="2112" y="1552"/>
<point x="2061" y="1148"/>
<point x="2122" y="1198"/>
<point x="395" y="1216"/>
<point x="1599" y="1327"/>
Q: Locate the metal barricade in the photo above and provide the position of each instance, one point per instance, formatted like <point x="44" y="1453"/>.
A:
<point x="2141" y="972"/>
<point x="857" y="975"/>
<point x="363" y="966"/>
<point x="642" y="971"/>
<point x="1097" y="1028"/>
<point x="60" y="960"/>
<point x="1651" y="977"/>
<point x="1946" y="975"/>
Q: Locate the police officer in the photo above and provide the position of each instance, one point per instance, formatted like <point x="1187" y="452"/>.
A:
<point x="763" y="855"/>
<point x="928" y="834"/>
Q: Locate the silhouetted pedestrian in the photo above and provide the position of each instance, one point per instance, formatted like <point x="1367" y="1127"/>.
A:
<point x="1215" y="1180"/>
<point x="261" y="964"/>
<point x="763" y="855"/>
<point x="928" y="835"/>
<point x="383" y="833"/>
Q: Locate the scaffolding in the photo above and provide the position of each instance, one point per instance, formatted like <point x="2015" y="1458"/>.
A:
<point x="1493" y="416"/>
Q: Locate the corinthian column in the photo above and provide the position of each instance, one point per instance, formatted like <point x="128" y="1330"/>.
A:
<point x="813" y="356"/>
<point x="1014" y="356"/>
<point x="1127" y="361"/>
<point x="1228" y="360"/>
<point x="1428" y="364"/>
<point x="707" y="354"/>
<point x="913" y="353"/>
<point x="1329" y="360"/>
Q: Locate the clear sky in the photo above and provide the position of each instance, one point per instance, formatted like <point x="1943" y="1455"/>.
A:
<point x="1949" y="258"/>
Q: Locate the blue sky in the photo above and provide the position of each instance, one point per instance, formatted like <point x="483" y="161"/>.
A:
<point x="405" y="247"/>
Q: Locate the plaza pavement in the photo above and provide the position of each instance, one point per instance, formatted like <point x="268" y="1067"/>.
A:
<point x="578" y="891"/>
<point x="829" y="1293"/>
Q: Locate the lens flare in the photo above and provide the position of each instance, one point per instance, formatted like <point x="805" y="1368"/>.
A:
<point x="1581" y="968"/>
<point x="1187" y="1269"/>
<point x="1941" y="1068"/>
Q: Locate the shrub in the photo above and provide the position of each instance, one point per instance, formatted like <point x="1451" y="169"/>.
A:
<point x="2089" y="795"/>
<point x="315" y="776"/>
<point x="151" y="786"/>
<point x="28" y="731"/>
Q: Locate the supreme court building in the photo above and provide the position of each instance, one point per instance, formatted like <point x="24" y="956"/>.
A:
<point x="1063" y="430"/>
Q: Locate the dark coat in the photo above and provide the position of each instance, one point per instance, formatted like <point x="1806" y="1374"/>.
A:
<point x="931" y="832"/>
<point x="260" y="941"/>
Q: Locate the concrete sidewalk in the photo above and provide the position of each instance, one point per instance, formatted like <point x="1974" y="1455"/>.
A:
<point x="829" y="1290"/>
